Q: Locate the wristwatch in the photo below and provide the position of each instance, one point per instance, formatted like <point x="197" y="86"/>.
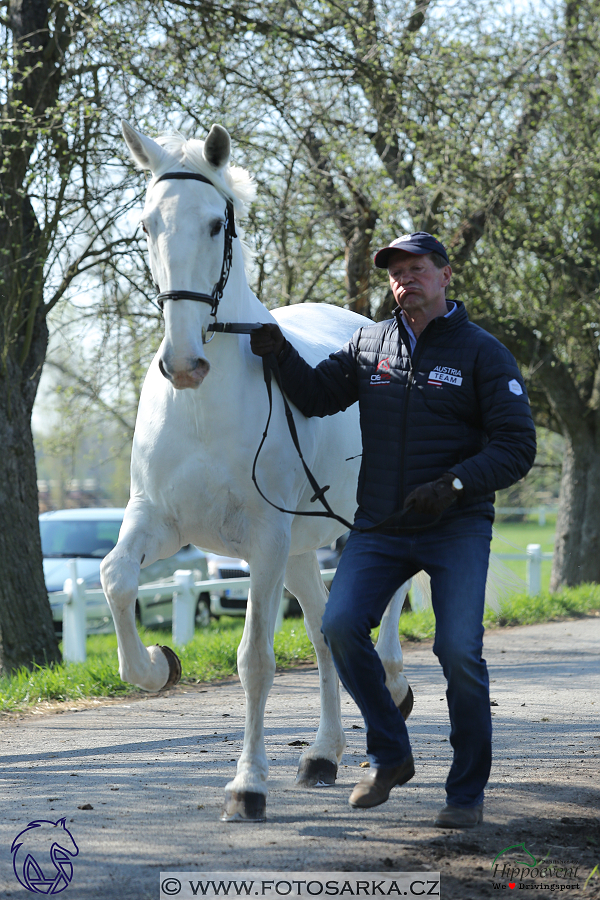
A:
<point x="456" y="485"/>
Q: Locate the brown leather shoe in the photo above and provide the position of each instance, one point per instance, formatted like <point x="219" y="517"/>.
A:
<point x="459" y="816"/>
<point x="374" y="787"/>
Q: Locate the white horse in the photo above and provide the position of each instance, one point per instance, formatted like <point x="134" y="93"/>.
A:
<point x="193" y="451"/>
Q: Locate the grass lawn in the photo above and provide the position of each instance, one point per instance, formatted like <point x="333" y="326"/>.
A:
<point x="211" y="656"/>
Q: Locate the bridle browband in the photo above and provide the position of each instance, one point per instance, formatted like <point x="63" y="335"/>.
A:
<point x="214" y="298"/>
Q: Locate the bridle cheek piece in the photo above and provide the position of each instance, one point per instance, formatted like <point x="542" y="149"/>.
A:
<point x="214" y="298"/>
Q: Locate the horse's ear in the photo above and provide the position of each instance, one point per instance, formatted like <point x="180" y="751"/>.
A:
<point x="217" y="147"/>
<point x="146" y="152"/>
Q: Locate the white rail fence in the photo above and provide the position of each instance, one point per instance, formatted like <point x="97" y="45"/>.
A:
<point x="185" y="591"/>
<point x="534" y="558"/>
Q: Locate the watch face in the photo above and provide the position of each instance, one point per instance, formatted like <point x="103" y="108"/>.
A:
<point x="457" y="484"/>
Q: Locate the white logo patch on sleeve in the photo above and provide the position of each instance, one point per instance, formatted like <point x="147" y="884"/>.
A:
<point x="514" y="387"/>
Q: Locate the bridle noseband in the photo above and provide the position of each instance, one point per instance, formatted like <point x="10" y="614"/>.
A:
<point x="214" y="298"/>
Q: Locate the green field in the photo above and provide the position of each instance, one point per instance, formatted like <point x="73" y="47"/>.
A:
<point x="513" y="537"/>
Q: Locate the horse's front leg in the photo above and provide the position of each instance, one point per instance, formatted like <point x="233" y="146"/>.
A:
<point x="390" y="653"/>
<point x="245" y="796"/>
<point x="144" y="536"/>
<point x="319" y="764"/>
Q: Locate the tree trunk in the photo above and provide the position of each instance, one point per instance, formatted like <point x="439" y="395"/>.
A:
<point x="577" y="543"/>
<point x="26" y="630"/>
<point x="359" y="261"/>
<point x="27" y="634"/>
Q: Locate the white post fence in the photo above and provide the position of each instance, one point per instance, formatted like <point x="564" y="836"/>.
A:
<point x="74" y="617"/>
<point x="185" y="592"/>
<point x="184" y="608"/>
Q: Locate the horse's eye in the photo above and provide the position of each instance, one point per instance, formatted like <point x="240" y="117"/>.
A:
<point x="216" y="228"/>
<point x="145" y="230"/>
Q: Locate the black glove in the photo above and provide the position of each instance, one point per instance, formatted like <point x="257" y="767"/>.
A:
<point x="434" y="497"/>
<point x="268" y="339"/>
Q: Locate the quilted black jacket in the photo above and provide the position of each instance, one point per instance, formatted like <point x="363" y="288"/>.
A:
<point x="458" y="405"/>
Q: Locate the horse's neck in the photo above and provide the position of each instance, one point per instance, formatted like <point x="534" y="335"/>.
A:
<point x="239" y="303"/>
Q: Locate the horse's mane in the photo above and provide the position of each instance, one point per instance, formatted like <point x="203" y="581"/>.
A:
<point x="236" y="183"/>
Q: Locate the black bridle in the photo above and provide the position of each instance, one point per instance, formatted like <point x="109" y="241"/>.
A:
<point x="214" y="298"/>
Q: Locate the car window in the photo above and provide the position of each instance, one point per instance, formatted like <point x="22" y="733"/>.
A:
<point x="78" y="538"/>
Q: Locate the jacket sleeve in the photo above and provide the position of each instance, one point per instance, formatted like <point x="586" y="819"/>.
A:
<point x="507" y="422"/>
<point x="325" y="390"/>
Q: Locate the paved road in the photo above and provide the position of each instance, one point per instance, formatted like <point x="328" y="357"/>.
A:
<point x="154" y="773"/>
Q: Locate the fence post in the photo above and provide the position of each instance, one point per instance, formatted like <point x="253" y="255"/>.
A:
<point x="542" y="515"/>
<point x="534" y="569"/>
<point x="74" y="617"/>
<point x="184" y="607"/>
<point x="279" y="619"/>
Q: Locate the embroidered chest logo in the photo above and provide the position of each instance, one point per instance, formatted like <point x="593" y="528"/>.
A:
<point x="445" y="375"/>
<point x="383" y="373"/>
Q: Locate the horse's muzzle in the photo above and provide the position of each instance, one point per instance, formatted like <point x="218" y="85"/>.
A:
<point x="187" y="378"/>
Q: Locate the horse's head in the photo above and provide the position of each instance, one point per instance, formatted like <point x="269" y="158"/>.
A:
<point x="184" y="219"/>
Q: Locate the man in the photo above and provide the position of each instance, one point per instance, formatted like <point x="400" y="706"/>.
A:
<point x="445" y="422"/>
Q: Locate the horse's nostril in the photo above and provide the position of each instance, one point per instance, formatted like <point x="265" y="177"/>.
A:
<point x="202" y="366"/>
<point x="163" y="371"/>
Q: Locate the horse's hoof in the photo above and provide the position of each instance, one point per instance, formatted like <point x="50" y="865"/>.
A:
<point x="316" y="773"/>
<point x="174" y="667"/>
<point x="407" y="704"/>
<point x="244" y="806"/>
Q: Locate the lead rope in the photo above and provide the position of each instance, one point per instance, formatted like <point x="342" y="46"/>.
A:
<point x="270" y="365"/>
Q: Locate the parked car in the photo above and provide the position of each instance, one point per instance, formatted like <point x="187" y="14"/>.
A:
<point x="233" y="601"/>
<point x="88" y="535"/>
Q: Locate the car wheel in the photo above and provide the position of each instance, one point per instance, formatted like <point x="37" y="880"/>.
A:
<point x="203" y="611"/>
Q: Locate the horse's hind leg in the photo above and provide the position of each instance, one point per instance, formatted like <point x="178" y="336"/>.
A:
<point x="144" y="536"/>
<point x="390" y="653"/>
<point x="318" y="765"/>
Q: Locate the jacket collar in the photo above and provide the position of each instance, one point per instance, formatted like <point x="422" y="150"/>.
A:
<point x="458" y="318"/>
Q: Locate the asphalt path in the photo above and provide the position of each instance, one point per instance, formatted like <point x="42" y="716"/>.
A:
<point x="153" y="772"/>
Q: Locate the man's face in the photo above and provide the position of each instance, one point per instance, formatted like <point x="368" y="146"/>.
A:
<point x="416" y="282"/>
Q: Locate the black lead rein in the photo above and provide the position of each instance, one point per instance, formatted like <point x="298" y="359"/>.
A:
<point x="270" y="365"/>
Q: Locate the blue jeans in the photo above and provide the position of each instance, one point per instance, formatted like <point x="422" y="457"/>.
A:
<point x="372" y="568"/>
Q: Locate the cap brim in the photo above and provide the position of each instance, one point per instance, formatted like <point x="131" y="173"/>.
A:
<point x="382" y="257"/>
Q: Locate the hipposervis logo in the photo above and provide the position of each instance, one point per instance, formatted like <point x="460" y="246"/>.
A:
<point x="383" y="373"/>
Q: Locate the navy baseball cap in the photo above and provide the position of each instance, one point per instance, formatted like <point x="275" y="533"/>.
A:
<point x="418" y="243"/>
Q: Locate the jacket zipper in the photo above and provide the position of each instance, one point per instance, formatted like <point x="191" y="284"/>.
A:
<point x="409" y="384"/>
